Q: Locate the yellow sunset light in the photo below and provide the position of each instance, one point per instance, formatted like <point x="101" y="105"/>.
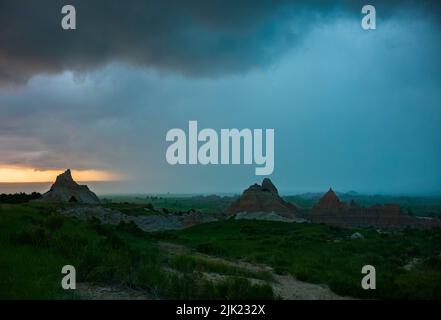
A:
<point x="21" y="175"/>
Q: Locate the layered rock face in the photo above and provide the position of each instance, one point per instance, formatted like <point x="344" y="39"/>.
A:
<point x="65" y="189"/>
<point x="262" y="198"/>
<point x="330" y="210"/>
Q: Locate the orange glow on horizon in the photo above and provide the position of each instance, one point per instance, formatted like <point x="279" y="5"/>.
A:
<point x="23" y="175"/>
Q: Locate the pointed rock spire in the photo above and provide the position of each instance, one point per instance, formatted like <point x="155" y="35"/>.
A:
<point x="65" y="189"/>
<point x="65" y="178"/>
<point x="329" y="201"/>
<point x="267" y="185"/>
<point x="261" y="198"/>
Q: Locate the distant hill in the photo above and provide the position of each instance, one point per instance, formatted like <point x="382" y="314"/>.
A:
<point x="416" y="205"/>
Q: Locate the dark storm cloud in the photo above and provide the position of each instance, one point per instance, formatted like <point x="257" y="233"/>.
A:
<point x="191" y="37"/>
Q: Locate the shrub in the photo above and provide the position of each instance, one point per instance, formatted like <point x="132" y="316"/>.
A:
<point x="33" y="235"/>
<point x="54" y="222"/>
<point x="130" y="227"/>
<point x="210" y="248"/>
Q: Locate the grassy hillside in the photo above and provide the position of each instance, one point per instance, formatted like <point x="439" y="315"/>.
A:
<point x="322" y="254"/>
<point x="35" y="243"/>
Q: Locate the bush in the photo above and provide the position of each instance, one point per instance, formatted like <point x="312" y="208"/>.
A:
<point x="150" y="206"/>
<point x="54" y="222"/>
<point x="19" y="197"/>
<point x="210" y="248"/>
<point x="130" y="227"/>
<point x="33" y="235"/>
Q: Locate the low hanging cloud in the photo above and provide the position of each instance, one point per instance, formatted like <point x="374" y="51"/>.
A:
<point x="367" y="102"/>
<point x="195" y="38"/>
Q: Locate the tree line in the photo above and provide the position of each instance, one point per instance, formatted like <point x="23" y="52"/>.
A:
<point x="19" y="197"/>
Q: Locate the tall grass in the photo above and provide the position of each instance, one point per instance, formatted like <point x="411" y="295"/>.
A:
<point x="35" y="243"/>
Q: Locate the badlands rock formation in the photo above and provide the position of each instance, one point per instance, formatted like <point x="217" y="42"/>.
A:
<point x="65" y="189"/>
<point x="330" y="210"/>
<point x="330" y="201"/>
<point x="262" y="199"/>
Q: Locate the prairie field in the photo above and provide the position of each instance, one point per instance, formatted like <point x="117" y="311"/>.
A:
<point x="228" y="259"/>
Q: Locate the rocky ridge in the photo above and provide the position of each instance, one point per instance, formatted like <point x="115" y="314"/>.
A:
<point x="264" y="200"/>
<point x="332" y="211"/>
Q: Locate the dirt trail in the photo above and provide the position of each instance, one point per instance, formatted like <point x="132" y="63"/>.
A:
<point x="89" y="291"/>
<point x="285" y="286"/>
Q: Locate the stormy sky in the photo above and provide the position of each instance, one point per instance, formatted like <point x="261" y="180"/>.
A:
<point x="352" y="109"/>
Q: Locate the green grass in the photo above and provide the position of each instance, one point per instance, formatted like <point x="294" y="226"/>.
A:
<point x="35" y="243"/>
<point x="28" y="273"/>
<point x="187" y="263"/>
<point x="322" y="254"/>
<point x="176" y="204"/>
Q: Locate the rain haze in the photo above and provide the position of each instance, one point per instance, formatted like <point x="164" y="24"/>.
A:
<point x="351" y="108"/>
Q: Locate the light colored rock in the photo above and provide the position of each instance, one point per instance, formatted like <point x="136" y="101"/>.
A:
<point x="110" y="216"/>
<point x="357" y="235"/>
